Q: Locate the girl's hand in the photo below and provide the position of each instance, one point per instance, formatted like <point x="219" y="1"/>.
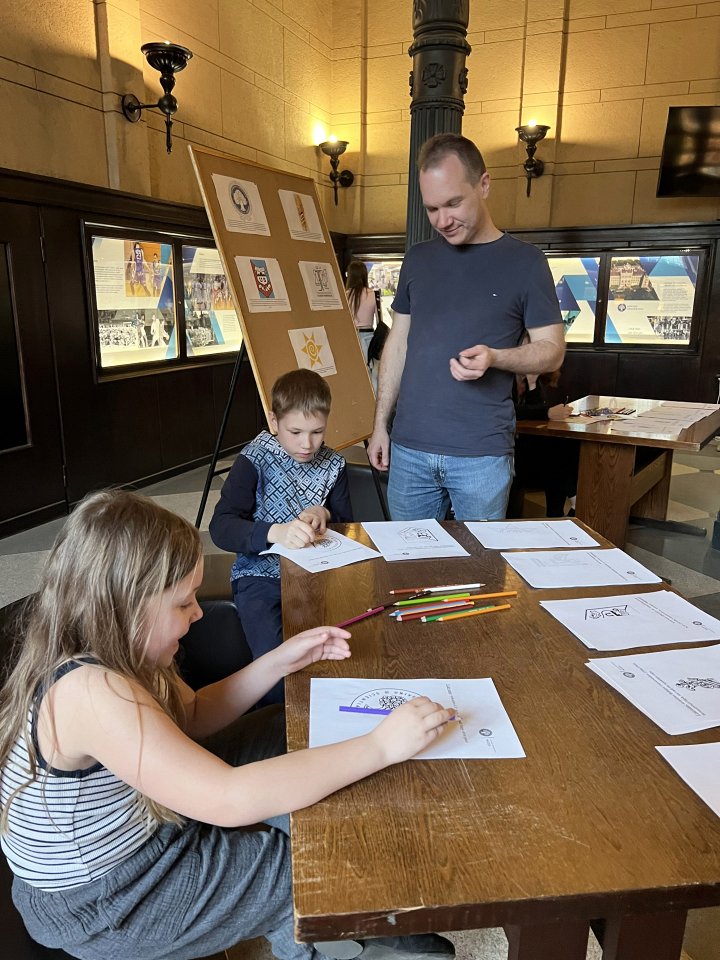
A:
<point x="317" y="517"/>
<point x="410" y="728"/>
<point x="320" y="643"/>
<point x="294" y="535"/>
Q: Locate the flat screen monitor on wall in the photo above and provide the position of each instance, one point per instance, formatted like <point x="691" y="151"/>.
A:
<point x="690" y="164"/>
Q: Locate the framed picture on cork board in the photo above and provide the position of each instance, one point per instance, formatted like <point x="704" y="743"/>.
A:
<point x="286" y="284"/>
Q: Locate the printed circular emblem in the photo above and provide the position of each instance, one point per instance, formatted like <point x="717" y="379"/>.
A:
<point x="384" y="698"/>
<point x="240" y="199"/>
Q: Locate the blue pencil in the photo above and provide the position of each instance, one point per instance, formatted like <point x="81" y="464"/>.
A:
<point x="375" y="710"/>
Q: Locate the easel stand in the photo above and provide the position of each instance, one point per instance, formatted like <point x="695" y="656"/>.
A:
<point x="212" y="472"/>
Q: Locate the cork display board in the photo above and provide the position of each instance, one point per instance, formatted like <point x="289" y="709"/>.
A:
<point x="286" y="284"/>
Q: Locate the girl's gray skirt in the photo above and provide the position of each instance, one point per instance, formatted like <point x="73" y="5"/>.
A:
<point x="190" y="891"/>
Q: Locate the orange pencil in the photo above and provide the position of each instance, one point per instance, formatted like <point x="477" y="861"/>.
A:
<point x="466" y="613"/>
<point x="490" y="596"/>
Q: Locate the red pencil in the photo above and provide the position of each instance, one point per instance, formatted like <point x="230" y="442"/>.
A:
<point x="361" y="616"/>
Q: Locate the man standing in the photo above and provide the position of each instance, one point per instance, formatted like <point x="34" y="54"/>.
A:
<point x="463" y="302"/>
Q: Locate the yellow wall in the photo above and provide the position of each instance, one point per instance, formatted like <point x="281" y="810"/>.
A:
<point x="266" y="72"/>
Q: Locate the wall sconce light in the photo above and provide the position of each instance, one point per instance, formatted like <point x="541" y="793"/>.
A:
<point x="531" y="134"/>
<point x="334" y="149"/>
<point x="168" y="59"/>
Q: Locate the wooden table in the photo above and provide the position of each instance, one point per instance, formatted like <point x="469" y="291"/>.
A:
<point x="620" y="473"/>
<point x="593" y="824"/>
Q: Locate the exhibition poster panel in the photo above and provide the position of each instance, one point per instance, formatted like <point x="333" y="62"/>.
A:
<point x="576" y="286"/>
<point x="651" y="299"/>
<point x="135" y="301"/>
<point x="286" y="284"/>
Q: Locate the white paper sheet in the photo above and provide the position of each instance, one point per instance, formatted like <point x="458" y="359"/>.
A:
<point x="546" y="569"/>
<point x="698" y="764"/>
<point x="678" y="689"/>
<point x="483" y="732"/>
<point x="413" y="539"/>
<point x="332" y="551"/>
<point x="634" y="620"/>
<point x="526" y="534"/>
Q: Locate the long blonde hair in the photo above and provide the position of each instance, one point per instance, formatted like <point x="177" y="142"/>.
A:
<point x="116" y="551"/>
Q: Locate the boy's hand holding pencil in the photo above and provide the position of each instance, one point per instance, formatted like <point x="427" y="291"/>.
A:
<point x="318" y="518"/>
<point x="294" y="535"/>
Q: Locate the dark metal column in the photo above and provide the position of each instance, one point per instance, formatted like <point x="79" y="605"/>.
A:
<point x="438" y="83"/>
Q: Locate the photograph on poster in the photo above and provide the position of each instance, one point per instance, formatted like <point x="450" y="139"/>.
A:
<point x="651" y="299"/>
<point x="263" y="284"/>
<point x="312" y="350"/>
<point x="241" y="205"/>
<point x="301" y="215"/>
<point x="320" y="285"/>
<point x="383" y="275"/>
<point x="211" y="324"/>
<point x="576" y="283"/>
<point x="133" y="283"/>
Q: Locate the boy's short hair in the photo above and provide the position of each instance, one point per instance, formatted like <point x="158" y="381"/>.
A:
<point x="300" y="390"/>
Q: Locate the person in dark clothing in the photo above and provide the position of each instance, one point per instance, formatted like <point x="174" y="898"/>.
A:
<point x="550" y="463"/>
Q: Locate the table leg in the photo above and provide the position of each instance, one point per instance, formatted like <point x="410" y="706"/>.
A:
<point x="657" y="936"/>
<point x="654" y="502"/>
<point x="604" y="488"/>
<point x="566" y="940"/>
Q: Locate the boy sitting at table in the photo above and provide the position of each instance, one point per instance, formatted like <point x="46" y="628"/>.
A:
<point x="284" y="487"/>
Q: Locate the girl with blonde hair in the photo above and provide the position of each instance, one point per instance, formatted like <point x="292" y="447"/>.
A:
<point x="121" y="788"/>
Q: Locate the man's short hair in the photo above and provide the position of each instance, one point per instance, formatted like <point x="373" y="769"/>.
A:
<point x="301" y="390"/>
<point x="442" y="145"/>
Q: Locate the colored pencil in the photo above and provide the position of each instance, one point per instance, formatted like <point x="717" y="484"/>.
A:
<point x="431" y="598"/>
<point x="465" y="613"/>
<point x="375" y="710"/>
<point x="491" y="596"/>
<point x="424" y="616"/>
<point x="361" y="616"/>
<point x="431" y="608"/>
<point x="448" y="586"/>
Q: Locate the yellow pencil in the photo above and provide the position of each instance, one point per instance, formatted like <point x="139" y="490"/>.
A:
<point x="465" y="613"/>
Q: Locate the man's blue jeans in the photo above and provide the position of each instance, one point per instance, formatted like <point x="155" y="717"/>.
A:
<point x="423" y="485"/>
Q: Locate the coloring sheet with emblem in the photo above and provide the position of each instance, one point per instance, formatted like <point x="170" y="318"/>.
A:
<point x="678" y="689"/>
<point x="413" y="539"/>
<point x="579" y="568"/>
<point x="330" y="551"/>
<point x="634" y="620"/>
<point x="526" y="534"/>
<point x="698" y="764"/>
<point x="351" y="707"/>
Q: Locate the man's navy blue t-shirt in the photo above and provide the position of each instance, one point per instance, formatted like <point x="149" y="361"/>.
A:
<point x="460" y="296"/>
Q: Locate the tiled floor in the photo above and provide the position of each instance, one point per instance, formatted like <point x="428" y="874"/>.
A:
<point x="689" y="562"/>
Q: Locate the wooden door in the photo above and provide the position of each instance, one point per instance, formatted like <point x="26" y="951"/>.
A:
<point x="31" y="462"/>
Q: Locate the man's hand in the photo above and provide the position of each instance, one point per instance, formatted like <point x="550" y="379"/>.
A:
<point x="472" y="363"/>
<point x="378" y="449"/>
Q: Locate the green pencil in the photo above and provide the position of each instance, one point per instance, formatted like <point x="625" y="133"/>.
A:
<point x="432" y="598"/>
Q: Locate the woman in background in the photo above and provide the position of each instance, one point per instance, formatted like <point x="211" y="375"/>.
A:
<point x="361" y="300"/>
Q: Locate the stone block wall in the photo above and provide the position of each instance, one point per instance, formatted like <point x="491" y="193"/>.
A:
<point x="270" y="78"/>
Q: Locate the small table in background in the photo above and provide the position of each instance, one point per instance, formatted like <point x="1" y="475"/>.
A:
<point x="622" y="473"/>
